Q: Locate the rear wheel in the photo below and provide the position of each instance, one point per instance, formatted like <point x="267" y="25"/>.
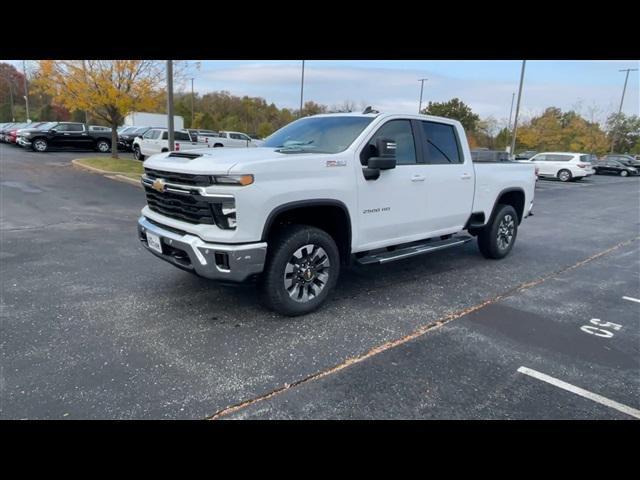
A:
<point x="103" y="146"/>
<point x="564" y="175"/>
<point x="137" y="154"/>
<point x="496" y="239"/>
<point x="301" y="270"/>
<point x="40" y="145"/>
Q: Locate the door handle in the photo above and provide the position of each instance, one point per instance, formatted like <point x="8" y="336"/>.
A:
<point x="465" y="176"/>
<point x="418" y="178"/>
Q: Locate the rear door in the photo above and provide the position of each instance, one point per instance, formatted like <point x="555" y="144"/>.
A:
<point x="449" y="178"/>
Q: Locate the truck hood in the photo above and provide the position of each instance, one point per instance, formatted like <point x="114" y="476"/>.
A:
<point x="211" y="160"/>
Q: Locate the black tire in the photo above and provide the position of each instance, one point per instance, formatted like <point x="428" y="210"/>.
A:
<point x="40" y="145"/>
<point x="488" y="239"/>
<point x="564" y="175"/>
<point x="624" y="173"/>
<point x="103" y="146"/>
<point x="282" y="248"/>
<point x="218" y="145"/>
<point x="137" y="154"/>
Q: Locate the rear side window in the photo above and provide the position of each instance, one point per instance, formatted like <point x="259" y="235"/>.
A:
<point x="182" y="136"/>
<point x="441" y="143"/>
<point x="559" y="158"/>
<point x="585" y="158"/>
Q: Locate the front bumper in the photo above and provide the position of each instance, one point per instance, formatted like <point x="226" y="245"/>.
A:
<point x="23" y="142"/>
<point x="218" y="261"/>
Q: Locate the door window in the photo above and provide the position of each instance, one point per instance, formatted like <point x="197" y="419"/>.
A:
<point x="401" y="133"/>
<point x="442" y="145"/>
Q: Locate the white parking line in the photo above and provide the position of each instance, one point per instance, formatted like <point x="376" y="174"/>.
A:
<point x="579" y="391"/>
<point x="631" y="299"/>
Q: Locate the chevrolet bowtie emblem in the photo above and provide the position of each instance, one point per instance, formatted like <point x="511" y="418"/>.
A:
<point x="158" y="184"/>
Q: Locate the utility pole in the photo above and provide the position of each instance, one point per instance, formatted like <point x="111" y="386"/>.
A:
<point x="301" y="89"/>
<point x="421" y="80"/>
<point x="84" y="72"/>
<point x="192" y="114"/>
<point x="515" y="120"/>
<point x="26" y="90"/>
<point x="513" y="96"/>
<point x="13" y="112"/>
<point x="170" y="105"/>
<point x="624" y="89"/>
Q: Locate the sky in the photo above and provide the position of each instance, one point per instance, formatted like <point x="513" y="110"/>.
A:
<point x="392" y="85"/>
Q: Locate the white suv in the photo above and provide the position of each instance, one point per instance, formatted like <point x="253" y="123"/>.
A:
<point x="564" y="166"/>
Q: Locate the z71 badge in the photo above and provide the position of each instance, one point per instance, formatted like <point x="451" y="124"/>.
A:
<point x="336" y="163"/>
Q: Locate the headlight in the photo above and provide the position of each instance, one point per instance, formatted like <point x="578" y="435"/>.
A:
<point x="240" y="180"/>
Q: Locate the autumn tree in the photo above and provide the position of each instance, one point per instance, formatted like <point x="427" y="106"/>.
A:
<point x="455" y="109"/>
<point x="107" y="89"/>
<point x="624" y="132"/>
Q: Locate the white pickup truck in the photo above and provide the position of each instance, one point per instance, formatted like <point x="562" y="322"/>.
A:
<point x="325" y="191"/>
<point x="229" y="139"/>
<point x="156" y="140"/>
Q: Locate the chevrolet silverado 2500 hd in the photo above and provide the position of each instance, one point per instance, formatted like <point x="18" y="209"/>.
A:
<point x="325" y="191"/>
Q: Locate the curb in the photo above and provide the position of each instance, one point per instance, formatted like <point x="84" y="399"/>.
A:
<point x="112" y="175"/>
<point x="122" y="178"/>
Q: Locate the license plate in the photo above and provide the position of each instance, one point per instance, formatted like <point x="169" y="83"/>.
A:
<point x="154" y="242"/>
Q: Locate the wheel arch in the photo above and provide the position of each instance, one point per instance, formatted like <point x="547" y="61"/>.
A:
<point x="329" y="215"/>
<point x="513" y="196"/>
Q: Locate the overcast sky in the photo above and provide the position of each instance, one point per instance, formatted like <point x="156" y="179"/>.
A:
<point x="392" y="85"/>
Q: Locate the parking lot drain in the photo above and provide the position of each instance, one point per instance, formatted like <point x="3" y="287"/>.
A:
<point x="413" y="335"/>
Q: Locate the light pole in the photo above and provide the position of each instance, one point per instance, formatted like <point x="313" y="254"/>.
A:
<point x="170" y="104"/>
<point x="13" y="114"/>
<point x="513" y="96"/>
<point x="301" y="89"/>
<point x="192" y="114"/>
<point x="624" y="89"/>
<point x="421" y="80"/>
<point x="515" y="120"/>
<point x="26" y="90"/>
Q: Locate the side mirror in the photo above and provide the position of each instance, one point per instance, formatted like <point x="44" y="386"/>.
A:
<point x="386" y="158"/>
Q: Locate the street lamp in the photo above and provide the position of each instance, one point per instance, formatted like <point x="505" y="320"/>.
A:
<point x="301" y="88"/>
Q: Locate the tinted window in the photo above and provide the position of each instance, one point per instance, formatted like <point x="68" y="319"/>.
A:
<point x="559" y="158"/>
<point x="75" y="127"/>
<point x="585" y="158"/>
<point x="442" y="144"/>
<point x="165" y="136"/>
<point x="182" y="136"/>
<point x="401" y="133"/>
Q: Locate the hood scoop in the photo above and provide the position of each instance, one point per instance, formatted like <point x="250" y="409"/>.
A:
<point x="184" y="155"/>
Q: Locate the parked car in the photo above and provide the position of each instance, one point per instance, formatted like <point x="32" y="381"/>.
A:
<point x="615" y="167"/>
<point x="230" y="139"/>
<point x="128" y="135"/>
<point x="565" y="166"/>
<point x="11" y="133"/>
<point x="156" y="140"/>
<point x="4" y="129"/>
<point x="66" y="135"/>
<point x="627" y="160"/>
<point x="326" y="190"/>
<point x="526" y="155"/>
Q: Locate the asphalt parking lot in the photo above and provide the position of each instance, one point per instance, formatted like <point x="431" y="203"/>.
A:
<point x="95" y="327"/>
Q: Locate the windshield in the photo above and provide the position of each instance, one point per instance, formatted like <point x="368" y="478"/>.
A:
<point x="318" y="134"/>
<point x="47" y="126"/>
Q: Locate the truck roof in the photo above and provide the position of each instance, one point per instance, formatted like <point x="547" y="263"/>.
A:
<point x="417" y="116"/>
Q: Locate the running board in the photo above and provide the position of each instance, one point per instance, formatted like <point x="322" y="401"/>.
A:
<point x="413" y="250"/>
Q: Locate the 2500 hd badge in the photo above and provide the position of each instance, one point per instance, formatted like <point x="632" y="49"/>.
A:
<point x="376" y="210"/>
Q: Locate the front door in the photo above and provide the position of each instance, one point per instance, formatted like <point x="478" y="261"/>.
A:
<point x="391" y="209"/>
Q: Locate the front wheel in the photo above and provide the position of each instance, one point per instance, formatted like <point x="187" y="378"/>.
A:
<point x="301" y="270"/>
<point x="624" y="173"/>
<point x="40" y="145"/>
<point x="137" y="154"/>
<point x="497" y="238"/>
